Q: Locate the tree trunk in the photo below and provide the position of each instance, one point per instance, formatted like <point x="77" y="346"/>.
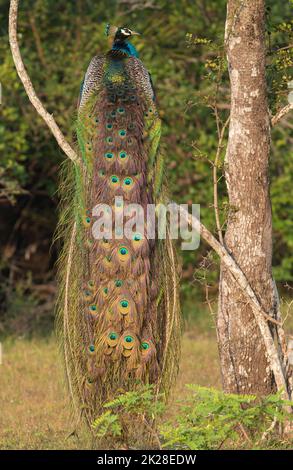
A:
<point x="244" y="362"/>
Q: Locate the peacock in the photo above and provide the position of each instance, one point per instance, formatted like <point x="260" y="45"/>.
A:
<point x="118" y="312"/>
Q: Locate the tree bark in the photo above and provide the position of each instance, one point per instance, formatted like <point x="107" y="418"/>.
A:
<point x="244" y="361"/>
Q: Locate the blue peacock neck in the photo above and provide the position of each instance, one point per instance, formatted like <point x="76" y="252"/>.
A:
<point x="126" y="47"/>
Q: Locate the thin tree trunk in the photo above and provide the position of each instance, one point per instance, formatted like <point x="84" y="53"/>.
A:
<point x="244" y="362"/>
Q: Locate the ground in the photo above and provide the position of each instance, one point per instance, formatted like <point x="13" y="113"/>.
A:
<point x="33" y="401"/>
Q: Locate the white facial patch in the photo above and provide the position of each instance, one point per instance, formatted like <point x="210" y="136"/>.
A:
<point x="126" y="32"/>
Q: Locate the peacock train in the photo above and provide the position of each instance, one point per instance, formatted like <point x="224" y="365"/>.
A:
<point x="118" y="314"/>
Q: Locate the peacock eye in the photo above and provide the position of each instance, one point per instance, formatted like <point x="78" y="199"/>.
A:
<point x="124" y="303"/>
<point x="128" y="339"/>
<point x="92" y="348"/>
<point x="109" y="126"/>
<point x="118" y="283"/>
<point x="86" y="221"/>
<point x="109" y="155"/>
<point x="121" y="111"/>
<point x="114" y="179"/>
<point x="113" y="336"/>
<point x="123" y="251"/>
<point x="109" y="140"/>
<point x="123" y="155"/>
<point x="137" y="237"/>
<point x="102" y="173"/>
<point x="128" y="181"/>
<point x="106" y="290"/>
<point x="122" y="133"/>
<point x="145" y="345"/>
<point x="93" y="308"/>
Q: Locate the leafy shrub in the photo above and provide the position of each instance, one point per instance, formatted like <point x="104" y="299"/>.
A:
<point x="208" y="419"/>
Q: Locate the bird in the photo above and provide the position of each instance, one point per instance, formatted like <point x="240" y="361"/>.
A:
<point x="118" y="311"/>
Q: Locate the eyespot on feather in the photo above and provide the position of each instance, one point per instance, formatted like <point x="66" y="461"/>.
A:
<point x="86" y="221"/>
<point x="109" y="140"/>
<point x="124" y="307"/>
<point x="109" y="156"/>
<point x="87" y="295"/>
<point x="93" y="309"/>
<point x="123" y="157"/>
<point x="91" y="285"/>
<point x="122" y="133"/>
<point x="112" y="339"/>
<point x="128" y="342"/>
<point x="123" y="253"/>
<point x="114" y="181"/>
<point x="128" y="183"/>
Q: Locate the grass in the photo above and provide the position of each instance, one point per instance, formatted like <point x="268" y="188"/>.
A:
<point x="33" y="402"/>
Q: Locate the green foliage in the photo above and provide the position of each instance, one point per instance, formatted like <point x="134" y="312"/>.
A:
<point x="108" y="424"/>
<point x="135" y="410"/>
<point x="207" y="419"/>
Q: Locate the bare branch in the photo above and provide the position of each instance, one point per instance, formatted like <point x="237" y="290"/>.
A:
<point x="260" y="315"/>
<point x="280" y="114"/>
<point x="215" y="174"/>
<point x="24" y="77"/>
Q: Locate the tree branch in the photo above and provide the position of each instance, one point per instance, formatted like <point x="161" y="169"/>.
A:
<point x="280" y="114"/>
<point x="215" y="173"/>
<point x="24" y="77"/>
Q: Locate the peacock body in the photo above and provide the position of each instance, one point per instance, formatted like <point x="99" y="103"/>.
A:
<point x="118" y="309"/>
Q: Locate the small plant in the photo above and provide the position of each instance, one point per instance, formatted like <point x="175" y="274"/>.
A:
<point x="130" y="417"/>
<point x="208" y="419"/>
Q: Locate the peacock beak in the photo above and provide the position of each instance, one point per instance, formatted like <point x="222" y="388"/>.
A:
<point x="134" y="33"/>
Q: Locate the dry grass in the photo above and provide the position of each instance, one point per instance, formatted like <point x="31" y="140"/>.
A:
<point x="34" y="408"/>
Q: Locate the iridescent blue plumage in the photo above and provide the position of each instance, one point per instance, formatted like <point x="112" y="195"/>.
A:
<point x="125" y="47"/>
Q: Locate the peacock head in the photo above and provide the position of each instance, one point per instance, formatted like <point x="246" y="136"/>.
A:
<point x="120" y="34"/>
